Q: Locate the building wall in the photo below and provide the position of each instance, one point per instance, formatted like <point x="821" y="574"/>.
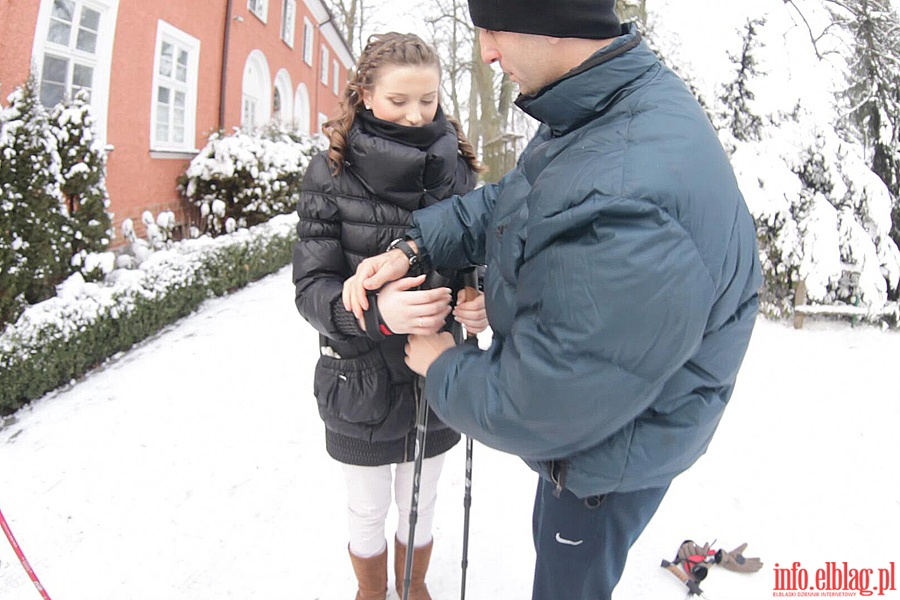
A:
<point x="139" y="176"/>
<point x="15" y="64"/>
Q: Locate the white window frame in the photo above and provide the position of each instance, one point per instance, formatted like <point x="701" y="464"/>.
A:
<point x="336" y="76"/>
<point x="260" y="8"/>
<point x="301" y="108"/>
<point x="285" y="90"/>
<point x="249" y="113"/>
<point x="326" y="56"/>
<point x="288" y="21"/>
<point x="322" y="118"/>
<point x="308" y="41"/>
<point x="100" y="60"/>
<point x="166" y="33"/>
<point x="256" y="91"/>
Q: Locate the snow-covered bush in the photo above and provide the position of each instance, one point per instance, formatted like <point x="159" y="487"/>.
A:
<point x="61" y="338"/>
<point x="242" y="179"/>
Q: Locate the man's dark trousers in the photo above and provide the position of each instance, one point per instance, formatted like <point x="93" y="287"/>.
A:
<point x="582" y="544"/>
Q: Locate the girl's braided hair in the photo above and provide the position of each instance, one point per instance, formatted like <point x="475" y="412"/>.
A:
<point x="384" y="49"/>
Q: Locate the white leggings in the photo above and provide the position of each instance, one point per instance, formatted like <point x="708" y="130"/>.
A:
<point x="369" y="499"/>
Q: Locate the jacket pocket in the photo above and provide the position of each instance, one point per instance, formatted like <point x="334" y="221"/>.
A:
<point x="354" y="390"/>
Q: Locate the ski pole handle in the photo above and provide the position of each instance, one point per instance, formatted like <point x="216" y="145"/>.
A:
<point x="470" y="292"/>
<point x="692" y="586"/>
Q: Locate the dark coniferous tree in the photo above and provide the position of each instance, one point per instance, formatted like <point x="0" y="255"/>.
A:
<point x="873" y="91"/>
<point x="34" y="234"/>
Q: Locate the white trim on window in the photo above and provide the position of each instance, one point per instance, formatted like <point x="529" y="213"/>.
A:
<point x="288" y="21"/>
<point x="324" y="65"/>
<point x="336" y="76"/>
<point x="323" y="118"/>
<point x="285" y="91"/>
<point x="260" y="8"/>
<point x="308" y="41"/>
<point x="72" y="49"/>
<point x="256" y="91"/>
<point x="173" y="106"/>
<point x="301" y="108"/>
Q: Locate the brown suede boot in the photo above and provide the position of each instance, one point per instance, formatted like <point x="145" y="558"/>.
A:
<point x="371" y="574"/>
<point x="421" y="557"/>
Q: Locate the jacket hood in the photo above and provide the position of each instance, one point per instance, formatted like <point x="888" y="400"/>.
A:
<point x="587" y="90"/>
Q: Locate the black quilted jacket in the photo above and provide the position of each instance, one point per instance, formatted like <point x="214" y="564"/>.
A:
<point x="365" y="392"/>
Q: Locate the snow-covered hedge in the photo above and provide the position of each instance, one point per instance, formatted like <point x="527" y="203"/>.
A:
<point x="242" y="179"/>
<point x="61" y="338"/>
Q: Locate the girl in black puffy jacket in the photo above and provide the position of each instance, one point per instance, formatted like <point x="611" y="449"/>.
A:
<point x="392" y="151"/>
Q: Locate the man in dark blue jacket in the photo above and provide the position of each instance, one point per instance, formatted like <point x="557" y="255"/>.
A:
<point x="621" y="285"/>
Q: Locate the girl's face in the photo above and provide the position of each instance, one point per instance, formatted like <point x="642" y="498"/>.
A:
<point x="404" y="94"/>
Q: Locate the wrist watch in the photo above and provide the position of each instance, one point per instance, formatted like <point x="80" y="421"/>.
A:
<point x="402" y="245"/>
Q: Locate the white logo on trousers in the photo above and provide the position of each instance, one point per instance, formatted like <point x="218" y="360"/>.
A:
<point x="563" y="540"/>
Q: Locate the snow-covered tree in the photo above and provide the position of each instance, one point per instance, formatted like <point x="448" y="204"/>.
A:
<point x="351" y="18"/>
<point x="632" y="10"/>
<point x="822" y="215"/>
<point x="35" y="236"/>
<point x="736" y="112"/>
<point x="83" y="170"/>
<point x="872" y="95"/>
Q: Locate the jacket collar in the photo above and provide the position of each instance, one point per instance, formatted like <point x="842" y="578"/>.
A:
<point x="591" y="87"/>
<point x="418" y="137"/>
<point x="398" y="172"/>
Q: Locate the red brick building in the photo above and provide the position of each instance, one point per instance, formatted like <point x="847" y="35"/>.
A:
<point x="164" y="74"/>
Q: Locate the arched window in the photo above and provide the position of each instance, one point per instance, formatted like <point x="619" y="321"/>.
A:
<point x="282" y="108"/>
<point x="256" y="92"/>
<point x="301" y="109"/>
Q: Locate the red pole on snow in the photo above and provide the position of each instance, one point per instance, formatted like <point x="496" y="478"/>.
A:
<point x="22" y="559"/>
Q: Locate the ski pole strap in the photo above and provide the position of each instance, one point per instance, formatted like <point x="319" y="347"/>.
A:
<point x="376" y="328"/>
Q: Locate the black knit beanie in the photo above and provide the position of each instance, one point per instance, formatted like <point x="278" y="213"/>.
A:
<point x="592" y="19"/>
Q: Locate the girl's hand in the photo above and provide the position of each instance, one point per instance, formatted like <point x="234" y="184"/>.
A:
<point x="371" y="274"/>
<point x="470" y="310"/>
<point x="405" y="310"/>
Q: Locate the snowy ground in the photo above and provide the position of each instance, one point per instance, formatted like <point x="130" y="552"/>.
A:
<point x="193" y="468"/>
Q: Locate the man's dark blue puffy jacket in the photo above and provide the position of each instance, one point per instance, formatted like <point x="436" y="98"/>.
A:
<point x="621" y="284"/>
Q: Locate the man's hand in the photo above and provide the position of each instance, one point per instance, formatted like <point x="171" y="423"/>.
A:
<point x="470" y="310"/>
<point x="371" y="274"/>
<point x="405" y="310"/>
<point x="422" y="350"/>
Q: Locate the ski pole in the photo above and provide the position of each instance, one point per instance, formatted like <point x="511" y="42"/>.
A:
<point x="15" y="546"/>
<point x="421" y="426"/>
<point x="470" y="291"/>
<point x="467" y="505"/>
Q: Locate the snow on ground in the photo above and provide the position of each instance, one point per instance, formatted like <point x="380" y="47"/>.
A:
<point x="193" y="467"/>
